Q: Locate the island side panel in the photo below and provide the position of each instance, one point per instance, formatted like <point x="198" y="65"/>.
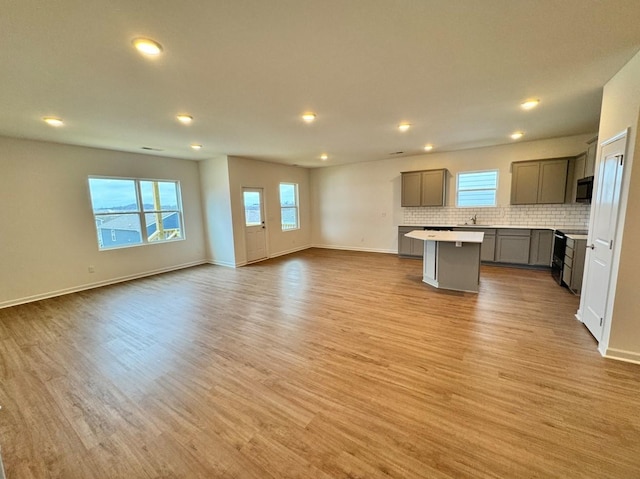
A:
<point x="458" y="268"/>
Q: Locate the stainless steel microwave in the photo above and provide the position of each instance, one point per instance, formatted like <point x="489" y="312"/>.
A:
<point x="584" y="190"/>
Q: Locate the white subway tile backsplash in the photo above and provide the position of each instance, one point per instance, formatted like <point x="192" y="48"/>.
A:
<point x="566" y="215"/>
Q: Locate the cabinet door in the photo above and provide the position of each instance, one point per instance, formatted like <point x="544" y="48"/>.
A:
<point x="578" y="266"/>
<point x="553" y="181"/>
<point x="590" y="160"/>
<point x="524" y="182"/>
<point x="404" y="243"/>
<point x="541" y="247"/>
<point x="432" y="188"/>
<point x="417" y="247"/>
<point x="411" y="188"/>
<point x="513" y="249"/>
<point x="488" y="248"/>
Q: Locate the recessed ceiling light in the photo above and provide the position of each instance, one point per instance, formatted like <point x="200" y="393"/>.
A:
<point x="529" y="104"/>
<point x="309" y="117"/>
<point x="196" y="146"/>
<point x="146" y="46"/>
<point x="404" y="126"/>
<point x="53" y="121"/>
<point x="428" y="147"/>
<point x="517" y="135"/>
<point x="324" y="157"/>
<point x="186" y="119"/>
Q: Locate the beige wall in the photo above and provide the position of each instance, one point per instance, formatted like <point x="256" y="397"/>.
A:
<point x="268" y="176"/>
<point x="48" y="237"/>
<point x="216" y="206"/>
<point x="621" y="110"/>
<point x="357" y="206"/>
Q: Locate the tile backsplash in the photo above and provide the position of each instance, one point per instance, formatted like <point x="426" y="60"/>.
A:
<point x="562" y="215"/>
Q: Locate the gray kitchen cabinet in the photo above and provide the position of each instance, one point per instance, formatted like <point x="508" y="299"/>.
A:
<point x="541" y="247"/>
<point x="409" y="247"/>
<point x="590" y="159"/>
<point x="575" y="173"/>
<point x="513" y="245"/>
<point x="424" y="188"/>
<point x="539" y="181"/>
<point x="573" y="268"/>
<point x="488" y="247"/>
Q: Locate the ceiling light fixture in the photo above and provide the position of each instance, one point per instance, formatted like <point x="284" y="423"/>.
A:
<point x="428" y="147"/>
<point x="146" y="46"/>
<point x="324" y="157"/>
<point x="529" y="104"/>
<point x="185" y="119"/>
<point x="196" y="146"/>
<point x="517" y="135"/>
<point x="53" y="121"/>
<point x="308" y="117"/>
<point x="404" y="126"/>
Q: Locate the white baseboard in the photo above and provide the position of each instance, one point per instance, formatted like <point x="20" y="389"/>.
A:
<point x="289" y="251"/>
<point x="222" y="263"/>
<point x="621" y="355"/>
<point x="353" y="248"/>
<point x="97" y="284"/>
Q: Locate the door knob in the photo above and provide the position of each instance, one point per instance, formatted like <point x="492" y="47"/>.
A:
<point x="591" y="246"/>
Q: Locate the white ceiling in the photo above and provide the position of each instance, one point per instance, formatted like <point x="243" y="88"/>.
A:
<point x="247" y="69"/>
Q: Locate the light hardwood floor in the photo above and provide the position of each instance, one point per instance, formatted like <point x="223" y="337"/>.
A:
<point x="322" y="364"/>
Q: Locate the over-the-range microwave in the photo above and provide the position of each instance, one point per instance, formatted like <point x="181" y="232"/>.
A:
<point x="584" y="190"/>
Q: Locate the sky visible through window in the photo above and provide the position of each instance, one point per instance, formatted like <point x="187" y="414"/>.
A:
<point x="120" y="195"/>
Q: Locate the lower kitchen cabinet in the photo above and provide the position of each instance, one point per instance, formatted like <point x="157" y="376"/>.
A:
<point x="512" y="246"/>
<point x="541" y="247"/>
<point x="573" y="269"/>
<point x="409" y="247"/>
<point x="488" y="247"/>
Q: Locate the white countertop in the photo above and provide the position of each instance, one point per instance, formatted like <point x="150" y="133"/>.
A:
<point x="577" y="237"/>
<point x="496" y="226"/>
<point x="447" y="236"/>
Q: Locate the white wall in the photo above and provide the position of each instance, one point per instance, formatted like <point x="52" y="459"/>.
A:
<point x="48" y="236"/>
<point x="268" y="176"/>
<point x="216" y="205"/>
<point x="620" y="110"/>
<point x="357" y="206"/>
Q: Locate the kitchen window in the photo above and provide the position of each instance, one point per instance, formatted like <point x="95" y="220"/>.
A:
<point x="476" y="188"/>
<point x="131" y="212"/>
<point x="289" y="218"/>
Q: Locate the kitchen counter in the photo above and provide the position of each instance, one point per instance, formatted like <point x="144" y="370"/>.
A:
<point x="447" y="236"/>
<point x="577" y="237"/>
<point x="485" y="226"/>
<point x="451" y="259"/>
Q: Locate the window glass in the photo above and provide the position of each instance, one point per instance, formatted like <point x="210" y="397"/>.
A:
<point x="121" y="221"/>
<point x="289" y="218"/>
<point x="252" y="212"/>
<point x="476" y="188"/>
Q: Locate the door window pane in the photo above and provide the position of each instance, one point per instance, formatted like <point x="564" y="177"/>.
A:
<point x="252" y="213"/>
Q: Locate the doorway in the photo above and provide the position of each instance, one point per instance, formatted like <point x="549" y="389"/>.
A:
<point x="255" y="227"/>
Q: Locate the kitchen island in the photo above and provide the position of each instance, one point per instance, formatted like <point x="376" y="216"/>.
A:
<point x="451" y="258"/>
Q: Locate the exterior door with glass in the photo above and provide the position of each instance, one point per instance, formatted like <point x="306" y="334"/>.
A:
<point x="255" y="228"/>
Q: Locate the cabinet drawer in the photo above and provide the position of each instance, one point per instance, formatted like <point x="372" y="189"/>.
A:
<point x="513" y="232"/>
<point x="568" y="252"/>
<point x="566" y="275"/>
<point x="568" y="261"/>
<point x="570" y="243"/>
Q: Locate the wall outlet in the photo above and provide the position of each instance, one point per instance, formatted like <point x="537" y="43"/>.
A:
<point x="92" y="269"/>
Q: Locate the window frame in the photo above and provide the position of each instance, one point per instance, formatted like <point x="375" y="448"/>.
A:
<point x="494" y="205"/>
<point x="140" y="212"/>
<point x="295" y="206"/>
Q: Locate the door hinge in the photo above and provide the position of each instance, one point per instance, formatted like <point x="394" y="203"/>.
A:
<point x="621" y="159"/>
<point x="611" y="244"/>
<point x="601" y="321"/>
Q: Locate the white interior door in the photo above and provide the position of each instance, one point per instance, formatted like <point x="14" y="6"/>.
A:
<point x="255" y="228"/>
<point x="602" y="235"/>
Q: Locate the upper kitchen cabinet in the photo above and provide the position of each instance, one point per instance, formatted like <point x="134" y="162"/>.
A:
<point x="590" y="161"/>
<point x="424" y="188"/>
<point x="539" y="181"/>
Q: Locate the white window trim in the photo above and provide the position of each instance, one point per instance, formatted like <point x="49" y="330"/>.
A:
<point x="295" y="207"/>
<point x="496" y="170"/>
<point x="140" y="212"/>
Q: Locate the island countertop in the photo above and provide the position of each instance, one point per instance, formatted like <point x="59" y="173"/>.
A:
<point x="447" y="236"/>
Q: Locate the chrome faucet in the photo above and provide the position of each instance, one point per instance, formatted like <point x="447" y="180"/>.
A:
<point x="474" y="218"/>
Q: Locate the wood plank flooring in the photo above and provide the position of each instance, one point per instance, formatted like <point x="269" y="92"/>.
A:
<point x="321" y="364"/>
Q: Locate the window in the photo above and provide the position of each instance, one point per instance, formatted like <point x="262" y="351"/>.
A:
<point x="289" y="206"/>
<point x="476" y="188"/>
<point x="131" y="212"/>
